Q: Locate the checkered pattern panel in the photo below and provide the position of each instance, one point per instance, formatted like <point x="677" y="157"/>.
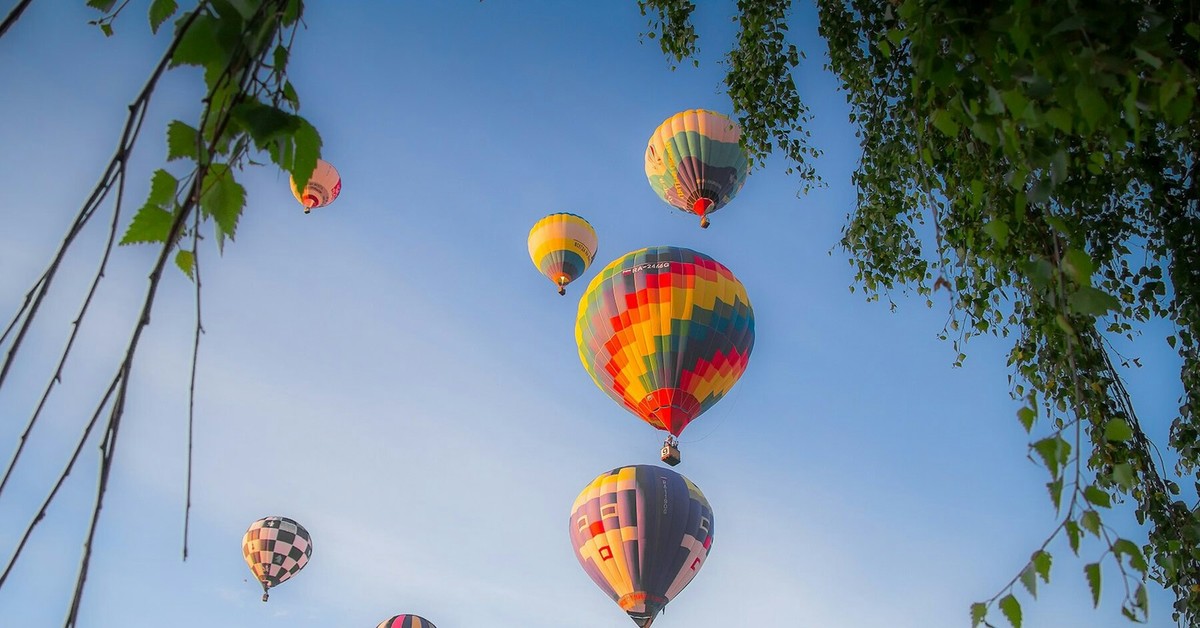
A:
<point x="276" y="548"/>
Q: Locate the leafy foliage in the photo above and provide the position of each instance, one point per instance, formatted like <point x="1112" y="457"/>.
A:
<point x="759" y="80"/>
<point x="1052" y="149"/>
<point x="247" y="106"/>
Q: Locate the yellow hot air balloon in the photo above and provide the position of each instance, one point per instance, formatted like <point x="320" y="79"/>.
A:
<point x="323" y="187"/>
<point x="562" y="246"/>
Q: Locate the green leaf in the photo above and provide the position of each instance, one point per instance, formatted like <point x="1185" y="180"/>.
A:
<point x="1091" y="522"/>
<point x="945" y="123"/>
<point x="1054" y="452"/>
<point x="199" y="45"/>
<point x="978" y="613"/>
<point x="1091" y="104"/>
<point x="1015" y="101"/>
<point x="1117" y="429"/>
<point x="1093" y="577"/>
<point x="1041" y="564"/>
<point x="1079" y="266"/>
<point x="265" y="123"/>
<point x="1092" y="301"/>
<point x="160" y="11"/>
<point x="290" y="95"/>
<point x="998" y="230"/>
<point x="107" y="29"/>
<point x="162" y="190"/>
<point x="1059" y="119"/>
<point x="1011" y="609"/>
<point x="223" y="200"/>
<point x="1029" y="579"/>
<point x="1123" y="475"/>
<point x="150" y="225"/>
<point x="182" y="141"/>
<point x="1096" y="495"/>
<point x="1026" y="416"/>
<point x="307" y="143"/>
<point x="245" y="8"/>
<point x="186" y="261"/>
<point x="1073" y="535"/>
<point x="1055" y="489"/>
<point x="102" y="5"/>
<point x="1125" y="547"/>
<point x="291" y="12"/>
<point x="1058" y="167"/>
<point x="1150" y="59"/>
<point x="280" y="57"/>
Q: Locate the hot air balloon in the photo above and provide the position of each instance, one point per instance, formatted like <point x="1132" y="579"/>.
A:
<point x="406" y="621"/>
<point x="642" y="533"/>
<point x="275" y="548"/>
<point x="323" y="187"/>
<point x="562" y="246"/>
<point x="695" y="163"/>
<point x="666" y="332"/>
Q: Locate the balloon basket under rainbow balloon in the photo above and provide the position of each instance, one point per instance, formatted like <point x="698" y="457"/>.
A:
<point x="670" y="451"/>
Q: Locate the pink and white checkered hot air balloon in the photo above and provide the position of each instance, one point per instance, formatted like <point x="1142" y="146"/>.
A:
<point x="275" y="548"/>
<point x="323" y="187"/>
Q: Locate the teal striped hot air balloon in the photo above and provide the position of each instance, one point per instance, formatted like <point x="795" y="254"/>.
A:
<point x="694" y="161"/>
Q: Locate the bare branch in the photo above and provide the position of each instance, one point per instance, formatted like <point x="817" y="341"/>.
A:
<point x="13" y="16"/>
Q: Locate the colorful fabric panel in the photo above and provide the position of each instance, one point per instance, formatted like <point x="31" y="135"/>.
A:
<point x="641" y="533"/>
<point x="694" y="161"/>
<point x="276" y="548"/>
<point x="406" y="621"/>
<point x="666" y="332"/>
<point x="323" y="187"/>
<point x="562" y="246"/>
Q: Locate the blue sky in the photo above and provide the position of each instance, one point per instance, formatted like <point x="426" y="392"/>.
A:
<point x="392" y="371"/>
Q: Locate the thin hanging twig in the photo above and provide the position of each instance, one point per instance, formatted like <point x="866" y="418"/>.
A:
<point x="13" y="16"/>
<point x="187" y="509"/>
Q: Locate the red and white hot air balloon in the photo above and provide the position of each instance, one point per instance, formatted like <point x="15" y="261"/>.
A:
<point x="323" y="187"/>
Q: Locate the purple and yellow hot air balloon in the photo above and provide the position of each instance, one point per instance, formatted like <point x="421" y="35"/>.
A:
<point x="562" y="246"/>
<point x="642" y="533"/>
<point x="694" y="161"/>
<point x="406" y="621"/>
<point x="322" y="189"/>
<point x="666" y="332"/>
<point x="275" y="548"/>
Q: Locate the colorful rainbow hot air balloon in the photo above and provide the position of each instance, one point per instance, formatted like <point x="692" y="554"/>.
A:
<point x="323" y="187"/>
<point x="406" y="621"/>
<point x="694" y="161"/>
<point x="562" y="246"/>
<point x="666" y="332"/>
<point x="642" y="533"/>
<point x="275" y="548"/>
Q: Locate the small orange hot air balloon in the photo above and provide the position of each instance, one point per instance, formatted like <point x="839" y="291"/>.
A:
<point x="323" y="187"/>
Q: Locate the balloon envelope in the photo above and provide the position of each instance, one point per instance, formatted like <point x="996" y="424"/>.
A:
<point x="665" y="332"/>
<point x="276" y="548"/>
<point x="562" y="246"/>
<point x="641" y="533"/>
<point x="695" y="163"/>
<point x="406" y="621"/>
<point x="322" y="189"/>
